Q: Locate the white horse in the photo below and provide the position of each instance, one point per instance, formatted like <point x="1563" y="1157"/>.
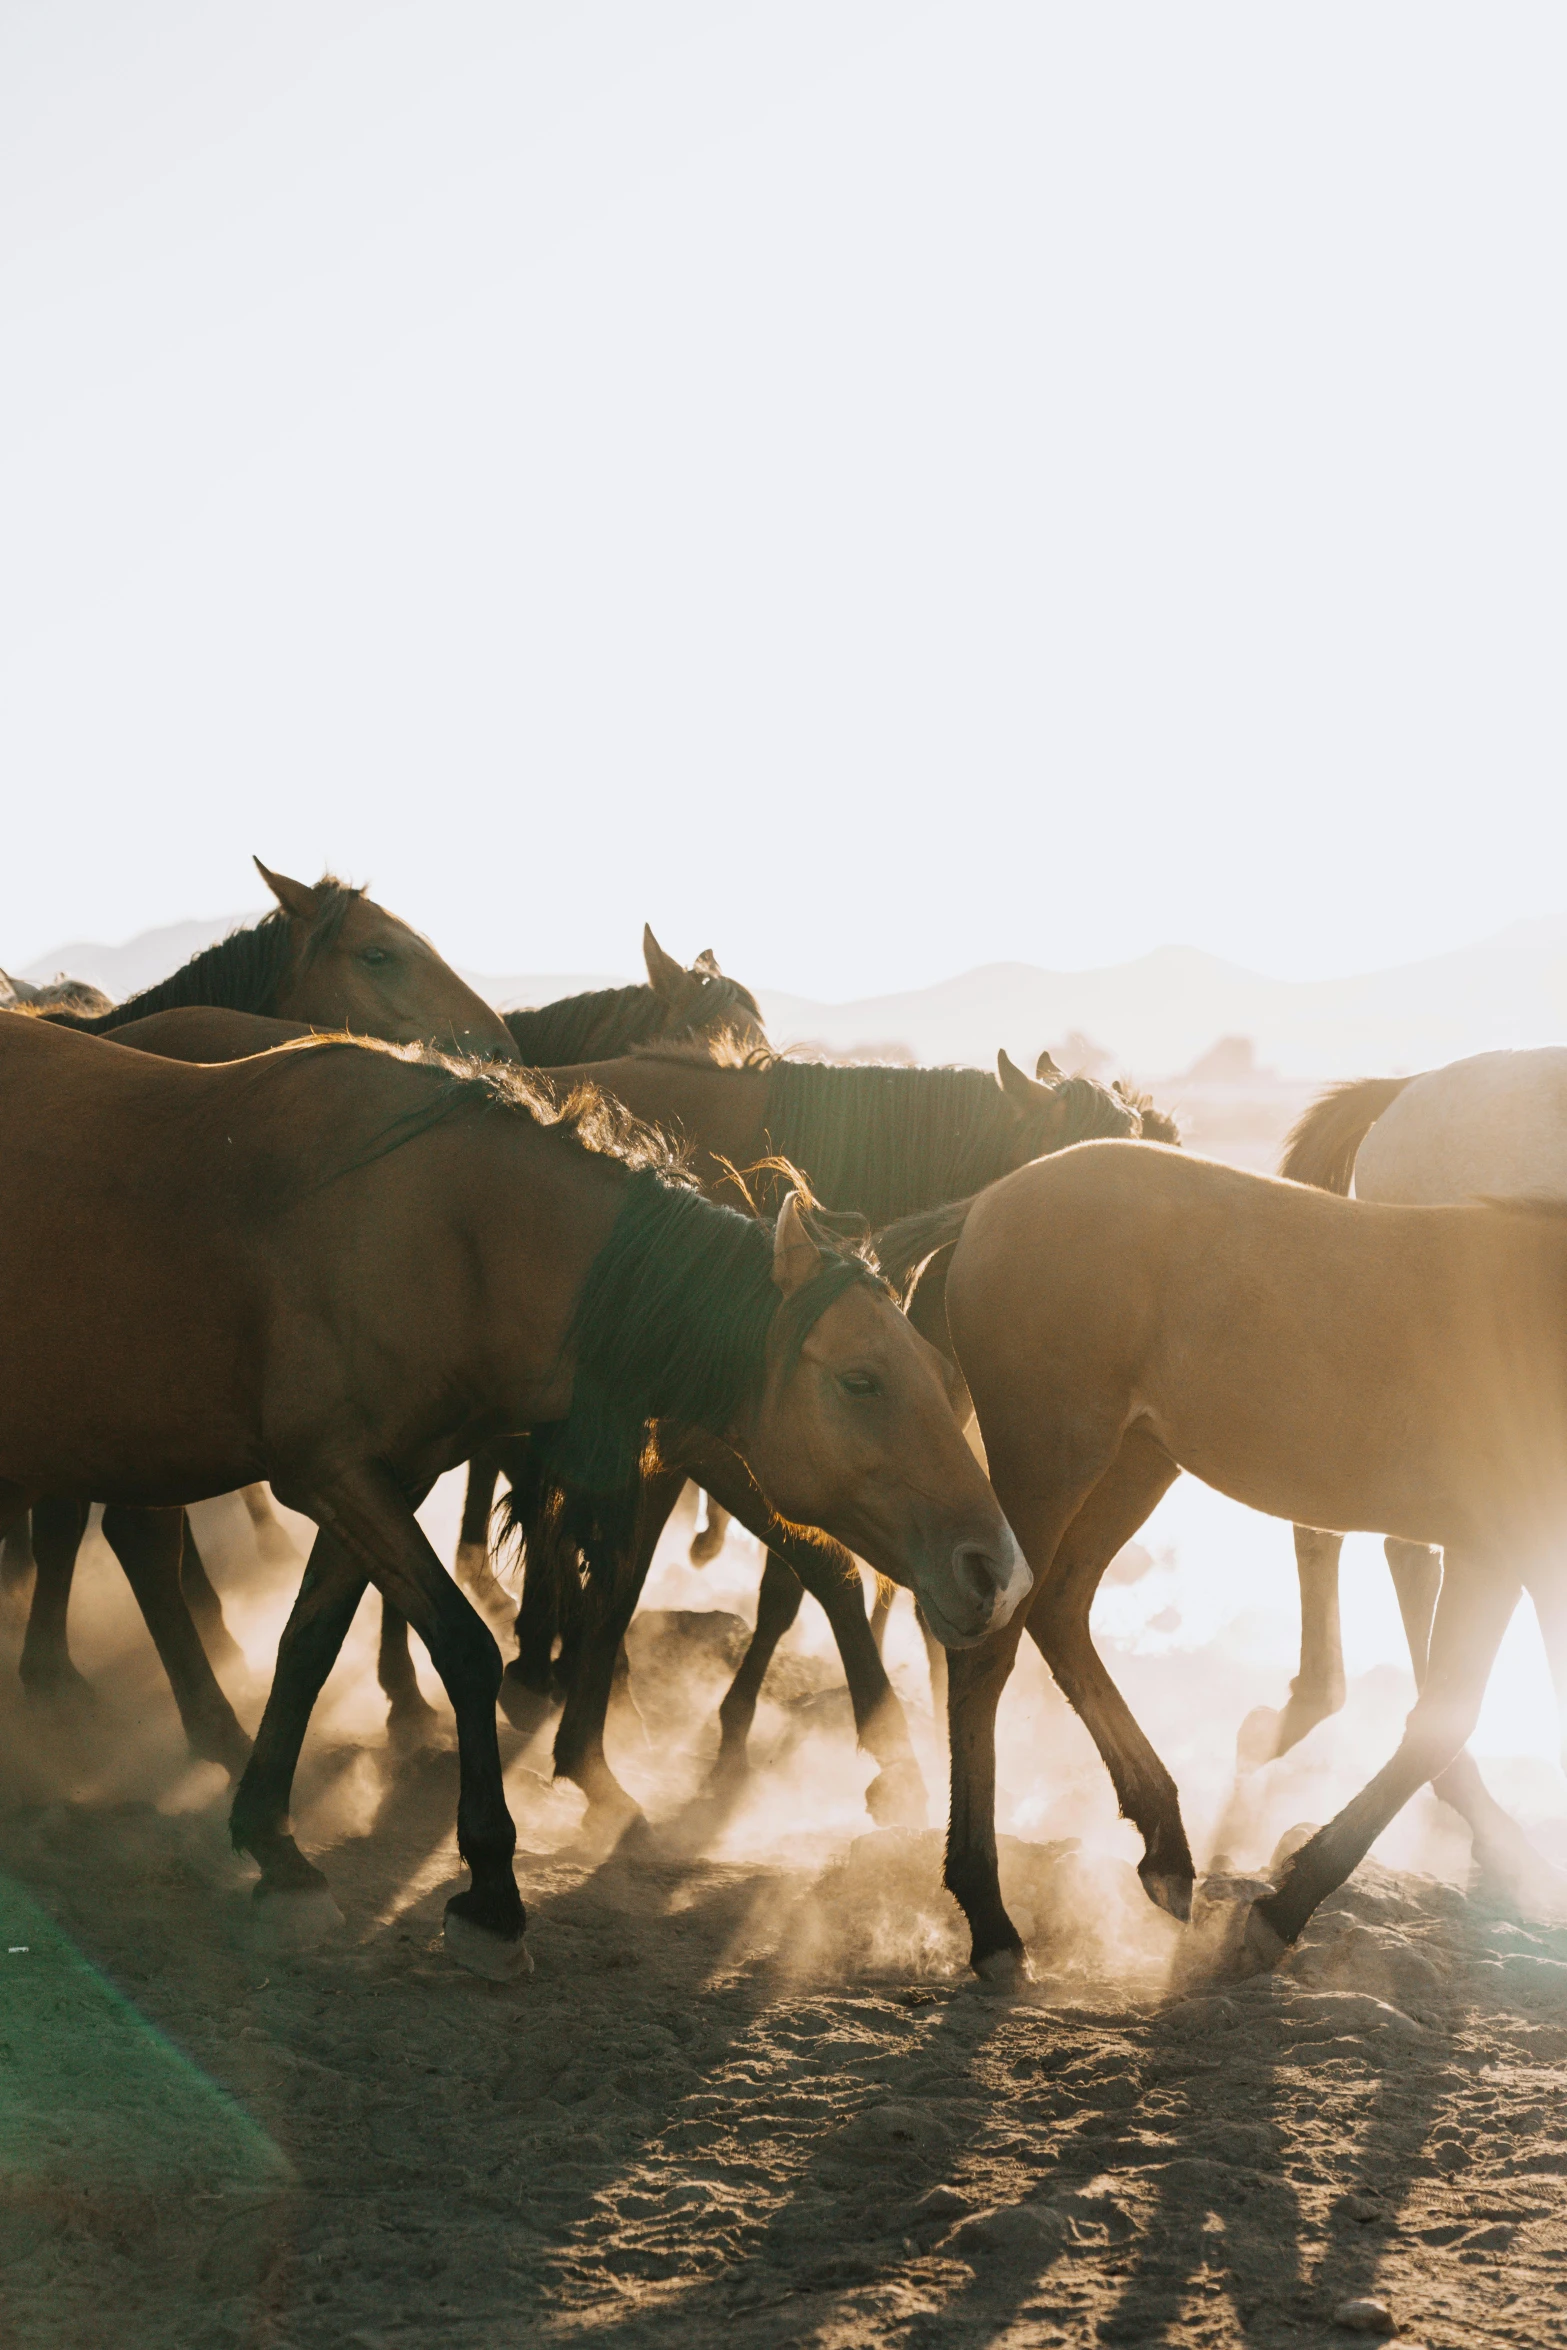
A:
<point x="1494" y="1126"/>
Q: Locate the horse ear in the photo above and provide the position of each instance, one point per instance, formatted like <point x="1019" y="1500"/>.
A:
<point x="707" y="961"/>
<point x="796" y="1257"/>
<point x="664" y="973"/>
<point x="1045" y="1067"/>
<point x="1013" y="1083"/>
<point x="295" y="897"/>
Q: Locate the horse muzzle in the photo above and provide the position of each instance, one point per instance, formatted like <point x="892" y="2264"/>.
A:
<point x="982" y="1591"/>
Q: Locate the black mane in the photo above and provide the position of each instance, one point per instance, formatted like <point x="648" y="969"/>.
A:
<point x="242" y="973"/>
<point x="607" y="1021"/>
<point x="891" y="1142"/>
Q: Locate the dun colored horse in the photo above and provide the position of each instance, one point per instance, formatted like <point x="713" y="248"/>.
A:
<point x="1491" y="1127"/>
<point x="342" y="1268"/>
<point x="1121" y="1314"/>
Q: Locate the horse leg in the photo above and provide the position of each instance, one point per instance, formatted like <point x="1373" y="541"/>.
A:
<point x="411" y="1721"/>
<point x="148" y="1544"/>
<point x="274" y="1543"/>
<point x="206" y="1609"/>
<point x="579" y="1742"/>
<point x="1501" y="1851"/>
<point x="881" y="1609"/>
<point x="1318" y="1688"/>
<point x="777" y="1605"/>
<point x="1141" y="1473"/>
<point x="896" y="1796"/>
<point x="708" y="1540"/>
<point x="17" y="1564"/>
<point x="935" y="1662"/>
<point x="259" y="1824"/>
<point x="1474" y="1605"/>
<point x="46" y="1667"/>
<point x="528" y="1685"/>
<point x="372" y="1518"/>
<point x="473" y="1567"/>
<point x="975" y="1680"/>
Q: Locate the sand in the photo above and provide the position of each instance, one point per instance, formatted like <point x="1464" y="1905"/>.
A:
<point x="749" y="2093"/>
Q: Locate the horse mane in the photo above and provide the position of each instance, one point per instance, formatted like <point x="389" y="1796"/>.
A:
<point x="901" y="1248"/>
<point x="672" y="1323"/>
<point x="1153" y="1125"/>
<point x="241" y="973"/>
<point x="607" y="1021"/>
<point x="892" y="1141"/>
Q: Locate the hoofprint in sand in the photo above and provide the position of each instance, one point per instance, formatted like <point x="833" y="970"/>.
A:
<point x="749" y="2093"/>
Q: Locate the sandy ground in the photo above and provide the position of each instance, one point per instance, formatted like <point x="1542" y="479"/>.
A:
<point x="749" y="2093"/>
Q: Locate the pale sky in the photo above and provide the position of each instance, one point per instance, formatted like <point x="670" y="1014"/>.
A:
<point x="874" y="488"/>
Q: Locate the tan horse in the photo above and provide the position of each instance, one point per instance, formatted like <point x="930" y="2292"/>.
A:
<point x="1123" y="1312"/>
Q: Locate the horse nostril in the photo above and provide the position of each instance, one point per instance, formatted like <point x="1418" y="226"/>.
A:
<point x="982" y="1577"/>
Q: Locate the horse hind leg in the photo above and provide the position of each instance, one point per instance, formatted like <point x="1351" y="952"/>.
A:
<point x="148" y="1544"/>
<point x="17" y="1564"/>
<point x="206" y="1609"/>
<point x="708" y="1540"/>
<point x="1505" y="1860"/>
<point x="1475" y="1603"/>
<point x="412" y="1723"/>
<point x="274" y="1544"/>
<point x="1318" y="1689"/>
<point x="777" y="1605"/>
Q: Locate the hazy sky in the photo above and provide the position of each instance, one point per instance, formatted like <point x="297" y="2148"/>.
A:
<point x="875" y="488"/>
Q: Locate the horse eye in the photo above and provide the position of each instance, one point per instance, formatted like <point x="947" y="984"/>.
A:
<point x="374" y="955"/>
<point x="859" y="1383"/>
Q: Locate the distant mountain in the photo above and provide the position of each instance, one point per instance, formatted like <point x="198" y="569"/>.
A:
<point x="1153" y="1016"/>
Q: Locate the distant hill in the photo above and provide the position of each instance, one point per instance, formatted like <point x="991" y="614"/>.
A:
<point x="1155" y="1016"/>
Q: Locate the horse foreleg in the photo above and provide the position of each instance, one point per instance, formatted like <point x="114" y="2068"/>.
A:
<point x="206" y="1609"/>
<point x="148" y="1544"/>
<point x="579" y="1742"/>
<point x="1472" y="1612"/>
<point x="529" y="1693"/>
<point x="46" y="1667"/>
<point x="708" y="1540"/>
<point x="259" y="1824"/>
<point x="1318" y="1688"/>
<point x="777" y="1605"/>
<point x="1106" y="1520"/>
<point x="975" y="1680"/>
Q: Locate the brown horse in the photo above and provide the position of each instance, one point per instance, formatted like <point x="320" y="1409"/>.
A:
<point x="325" y="956"/>
<point x="341" y="1268"/>
<point x="159" y="1555"/>
<point x="1121" y="1314"/>
<point x="875" y="1142"/>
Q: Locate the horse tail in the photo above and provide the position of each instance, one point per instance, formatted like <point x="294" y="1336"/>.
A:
<point x="900" y="1249"/>
<point x="1320" y="1147"/>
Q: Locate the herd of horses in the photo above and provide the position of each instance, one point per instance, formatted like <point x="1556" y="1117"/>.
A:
<point x="310" y="1216"/>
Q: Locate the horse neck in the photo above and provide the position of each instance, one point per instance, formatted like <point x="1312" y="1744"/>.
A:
<point x="891" y="1142"/>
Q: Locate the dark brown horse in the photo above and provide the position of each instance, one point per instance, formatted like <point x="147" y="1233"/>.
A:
<point x="1120" y="1315"/>
<point x="341" y="1267"/>
<point x="875" y="1142"/>
<point x="326" y="956"/>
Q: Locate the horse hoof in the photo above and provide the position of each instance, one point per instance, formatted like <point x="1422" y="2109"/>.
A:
<point x="484" y="1953"/>
<point x="1168" y="1891"/>
<point x="1003" y="1970"/>
<point x="231" y="1752"/>
<point x="413" y="1727"/>
<point x="706" y="1546"/>
<point x="1259" y="1949"/>
<point x="293" y="1920"/>
<point x="895" y="1798"/>
<point x="526" y="1709"/>
<point x="1257" y="1739"/>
